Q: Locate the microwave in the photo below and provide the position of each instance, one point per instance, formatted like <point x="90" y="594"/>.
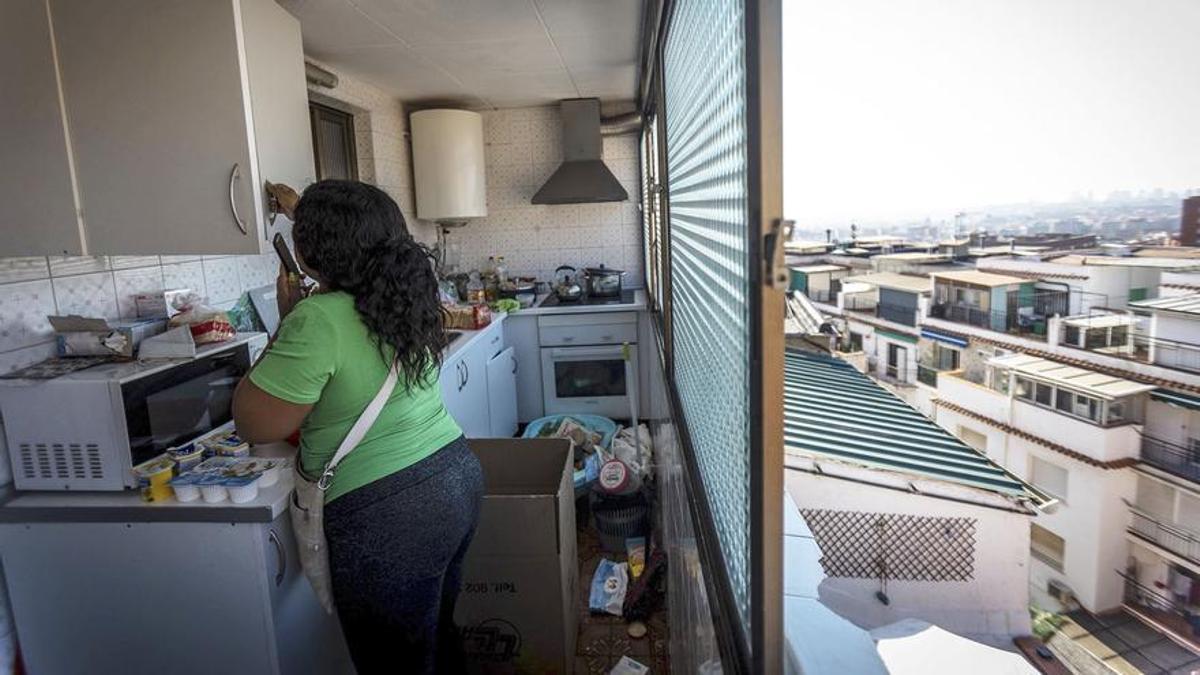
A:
<point x="87" y="430"/>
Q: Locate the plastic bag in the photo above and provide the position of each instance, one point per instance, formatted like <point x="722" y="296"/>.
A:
<point x="625" y="449"/>
<point x="207" y="324"/>
<point x="608" y="587"/>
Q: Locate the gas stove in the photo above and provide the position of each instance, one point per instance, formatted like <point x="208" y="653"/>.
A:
<point x="552" y="300"/>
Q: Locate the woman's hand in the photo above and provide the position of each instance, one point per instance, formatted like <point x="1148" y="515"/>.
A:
<point x="288" y="291"/>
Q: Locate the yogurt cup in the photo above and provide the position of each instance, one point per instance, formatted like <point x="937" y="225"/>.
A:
<point x="154" y="476"/>
<point x="242" y="489"/>
<point x="185" y="487"/>
<point x="187" y="456"/>
<point x="212" y="488"/>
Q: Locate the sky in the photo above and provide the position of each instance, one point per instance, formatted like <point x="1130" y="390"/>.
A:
<point x="915" y="108"/>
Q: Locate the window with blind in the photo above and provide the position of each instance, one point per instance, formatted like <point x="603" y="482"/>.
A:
<point x="704" y="80"/>
<point x="333" y="143"/>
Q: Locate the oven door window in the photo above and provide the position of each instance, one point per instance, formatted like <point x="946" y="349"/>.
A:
<point x="593" y="378"/>
<point x="184" y="402"/>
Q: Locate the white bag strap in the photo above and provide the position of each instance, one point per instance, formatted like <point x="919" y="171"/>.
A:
<point x="361" y="427"/>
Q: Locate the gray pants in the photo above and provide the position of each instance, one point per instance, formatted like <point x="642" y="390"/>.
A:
<point x="395" y="550"/>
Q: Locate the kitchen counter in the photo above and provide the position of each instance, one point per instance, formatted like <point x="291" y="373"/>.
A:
<point x="127" y="506"/>
<point x="638" y="304"/>
<point x="470" y="337"/>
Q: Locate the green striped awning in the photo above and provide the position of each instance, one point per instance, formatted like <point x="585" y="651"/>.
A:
<point x="1189" y="401"/>
<point x="832" y="409"/>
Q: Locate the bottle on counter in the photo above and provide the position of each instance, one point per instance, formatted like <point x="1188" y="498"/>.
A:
<point x="476" y="295"/>
<point x="501" y="271"/>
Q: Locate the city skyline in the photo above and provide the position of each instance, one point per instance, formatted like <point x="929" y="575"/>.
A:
<point x="928" y="109"/>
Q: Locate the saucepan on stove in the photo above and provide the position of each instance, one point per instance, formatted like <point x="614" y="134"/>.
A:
<point x="603" y="282"/>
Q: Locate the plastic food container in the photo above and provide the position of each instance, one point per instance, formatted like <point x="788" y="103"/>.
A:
<point x="212" y="488"/>
<point x="267" y="469"/>
<point x="154" y="478"/>
<point x="242" y="488"/>
<point x="231" y="446"/>
<point x="185" y="487"/>
<point x="187" y="457"/>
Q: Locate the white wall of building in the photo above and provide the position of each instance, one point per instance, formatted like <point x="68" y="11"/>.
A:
<point x="1172" y="423"/>
<point x="993" y="604"/>
<point x="1091" y="519"/>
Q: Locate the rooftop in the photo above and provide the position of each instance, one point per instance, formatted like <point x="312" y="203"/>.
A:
<point x="1088" y="382"/>
<point x="977" y="278"/>
<point x="817" y="269"/>
<point x="1100" y="321"/>
<point x="831" y="409"/>
<point x="1129" y="261"/>
<point x="1183" y="304"/>
<point x="900" y="282"/>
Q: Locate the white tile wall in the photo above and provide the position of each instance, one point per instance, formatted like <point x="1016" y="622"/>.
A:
<point x="523" y="147"/>
<point x="33" y="288"/>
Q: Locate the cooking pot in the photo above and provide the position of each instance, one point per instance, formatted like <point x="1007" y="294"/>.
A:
<point x="603" y="282"/>
<point x="566" y="288"/>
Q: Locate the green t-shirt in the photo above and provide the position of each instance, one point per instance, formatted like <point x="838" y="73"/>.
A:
<point x="324" y="355"/>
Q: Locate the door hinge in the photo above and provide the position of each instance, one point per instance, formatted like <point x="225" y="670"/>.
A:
<point x="777" y="274"/>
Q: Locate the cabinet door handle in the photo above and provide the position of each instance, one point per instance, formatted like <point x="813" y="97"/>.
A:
<point x="461" y="382"/>
<point x="233" y="176"/>
<point x="568" y="339"/>
<point x="606" y="338"/>
<point x="466" y="373"/>
<point x="515" y="364"/>
<point x="281" y="571"/>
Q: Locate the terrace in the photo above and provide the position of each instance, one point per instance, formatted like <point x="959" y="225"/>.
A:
<point x="996" y="302"/>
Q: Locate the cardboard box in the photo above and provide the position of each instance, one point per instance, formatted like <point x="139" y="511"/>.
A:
<point x="517" y="610"/>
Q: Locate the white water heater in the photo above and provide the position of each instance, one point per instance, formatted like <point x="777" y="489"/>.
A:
<point x="448" y="169"/>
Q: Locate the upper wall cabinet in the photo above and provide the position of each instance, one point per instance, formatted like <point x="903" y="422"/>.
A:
<point x="177" y="112"/>
<point x="37" y="200"/>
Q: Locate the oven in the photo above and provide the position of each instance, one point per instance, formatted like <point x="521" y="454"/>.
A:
<point x="589" y="363"/>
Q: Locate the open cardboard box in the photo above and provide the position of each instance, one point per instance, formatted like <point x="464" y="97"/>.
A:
<point x="517" y="610"/>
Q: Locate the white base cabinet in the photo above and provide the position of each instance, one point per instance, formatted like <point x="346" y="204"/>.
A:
<point x="502" y="393"/>
<point x="521" y="333"/>
<point x="178" y="597"/>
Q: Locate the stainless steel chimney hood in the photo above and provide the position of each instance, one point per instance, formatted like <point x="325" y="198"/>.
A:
<point x="583" y="177"/>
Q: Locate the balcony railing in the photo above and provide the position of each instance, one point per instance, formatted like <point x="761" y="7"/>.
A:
<point x="927" y="376"/>
<point x="999" y="319"/>
<point x="826" y="295"/>
<point x="1147" y="349"/>
<point x="1176" y="459"/>
<point x="1169" y="537"/>
<point x="859" y="303"/>
<point x="1142" y="596"/>
<point x="897" y="313"/>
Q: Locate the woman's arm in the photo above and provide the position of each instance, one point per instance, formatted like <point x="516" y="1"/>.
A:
<point x="259" y="416"/>
<point x="263" y="418"/>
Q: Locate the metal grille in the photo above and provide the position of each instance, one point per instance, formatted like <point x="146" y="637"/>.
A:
<point x="704" y="80"/>
<point x="61" y="461"/>
<point x="896" y="546"/>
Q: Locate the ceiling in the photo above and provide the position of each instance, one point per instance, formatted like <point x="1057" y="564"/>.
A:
<point x="479" y="53"/>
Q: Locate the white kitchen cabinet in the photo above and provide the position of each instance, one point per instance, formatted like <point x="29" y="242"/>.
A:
<point x="521" y="333"/>
<point x="502" y="394"/>
<point x="37" y="201"/>
<point x="465" y="392"/>
<point x="178" y="113"/>
<point x="128" y="596"/>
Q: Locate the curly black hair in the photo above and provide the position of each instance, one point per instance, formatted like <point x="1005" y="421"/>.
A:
<point x="354" y="236"/>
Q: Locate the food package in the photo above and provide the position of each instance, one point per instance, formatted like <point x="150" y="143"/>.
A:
<point x="583" y="437"/>
<point x="627" y="666"/>
<point x="635" y="550"/>
<point x="207" y="324"/>
<point x="608" y="587"/>
<point x="80" y="336"/>
<point x="154" y="478"/>
<point x="468" y="317"/>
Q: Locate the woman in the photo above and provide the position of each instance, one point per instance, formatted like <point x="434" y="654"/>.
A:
<point x="403" y="504"/>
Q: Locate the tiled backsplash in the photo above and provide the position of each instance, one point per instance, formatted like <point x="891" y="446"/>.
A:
<point x="32" y="288"/>
<point x="524" y="146"/>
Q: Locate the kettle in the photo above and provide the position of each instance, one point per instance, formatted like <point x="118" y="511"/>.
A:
<point x="567" y="288"/>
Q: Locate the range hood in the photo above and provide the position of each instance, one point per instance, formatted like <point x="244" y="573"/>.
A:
<point x="583" y="177"/>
